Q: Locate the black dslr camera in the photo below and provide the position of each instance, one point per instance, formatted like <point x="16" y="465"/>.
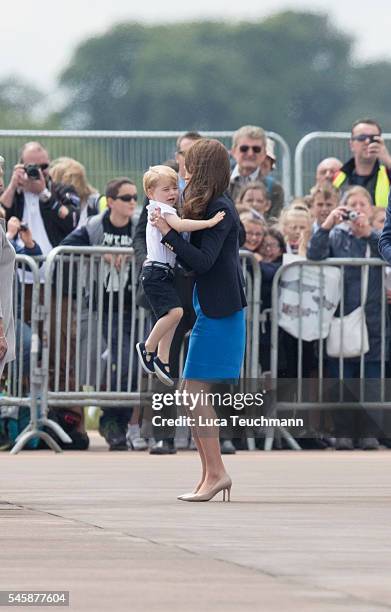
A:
<point x="32" y="171"/>
<point x="65" y="195"/>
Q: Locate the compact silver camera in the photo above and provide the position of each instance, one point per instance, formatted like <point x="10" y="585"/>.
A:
<point x="351" y="215"/>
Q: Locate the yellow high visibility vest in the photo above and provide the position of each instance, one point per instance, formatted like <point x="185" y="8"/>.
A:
<point x="382" y="188"/>
<point x="102" y="203"/>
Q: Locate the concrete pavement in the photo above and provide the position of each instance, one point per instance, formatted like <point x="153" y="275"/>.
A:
<point x="305" y="531"/>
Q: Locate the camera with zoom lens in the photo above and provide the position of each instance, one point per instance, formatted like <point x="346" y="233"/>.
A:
<point x="71" y="199"/>
<point x="32" y="171"/>
<point x="67" y="195"/>
<point x="350" y="215"/>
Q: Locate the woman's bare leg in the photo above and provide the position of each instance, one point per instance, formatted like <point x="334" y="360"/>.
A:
<point x="198" y="444"/>
<point x="195" y="436"/>
<point x="207" y="440"/>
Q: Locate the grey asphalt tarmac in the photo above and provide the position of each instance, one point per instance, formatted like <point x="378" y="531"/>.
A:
<point x="305" y="531"/>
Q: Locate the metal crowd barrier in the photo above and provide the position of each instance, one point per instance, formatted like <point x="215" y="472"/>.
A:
<point x="253" y="281"/>
<point x="314" y="147"/>
<point x="86" y="334"/>
<point x="23" y="379"/>
<point x="83" y="322"/>
<point x="300" y="399"/>
<point x="106" y="154"/>
<point x="79" y="329"/>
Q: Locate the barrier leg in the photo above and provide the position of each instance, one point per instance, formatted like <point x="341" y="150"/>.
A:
<point x="269" y="439"/>
<point x="251" y="446"/>
<point x="290" y="439"/>
<point x="29" y="435"/>
<point x="57" y="429"/>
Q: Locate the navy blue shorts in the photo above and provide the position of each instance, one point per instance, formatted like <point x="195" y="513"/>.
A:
<point x="158" y="285"/>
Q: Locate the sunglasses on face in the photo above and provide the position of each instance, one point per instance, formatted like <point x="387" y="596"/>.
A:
<point x="126" y="198"/>
<point x="364" y="137"/>
<point x="246" y="148"/>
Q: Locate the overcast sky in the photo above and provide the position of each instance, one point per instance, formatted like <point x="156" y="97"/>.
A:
<point x="37" y="38"/>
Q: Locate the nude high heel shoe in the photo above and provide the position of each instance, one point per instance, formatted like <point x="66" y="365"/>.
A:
<point x="223" y="485"/>
<point x="184" y="495"/>
<point x="187" y="494"/>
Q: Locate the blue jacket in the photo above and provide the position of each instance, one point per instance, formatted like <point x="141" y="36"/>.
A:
<point x="213" y="254"/>
<point x="342" y="243"/>
<point x="385" y="238"/>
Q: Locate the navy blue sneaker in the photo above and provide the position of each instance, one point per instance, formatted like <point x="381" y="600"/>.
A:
<point x="146" y="359"/>
<point x="162" y="371"/>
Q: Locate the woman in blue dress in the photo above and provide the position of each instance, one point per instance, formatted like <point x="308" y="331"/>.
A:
<point x="217" y="341"/>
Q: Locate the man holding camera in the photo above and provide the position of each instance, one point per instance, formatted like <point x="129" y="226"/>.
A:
<point x="47" y="212"/>
<point x="50" y="216"/>
<point x="370" y="166"/>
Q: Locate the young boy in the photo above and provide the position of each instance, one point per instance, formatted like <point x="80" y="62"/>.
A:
<point x="324" y="199"/>
<point x="157" y="276"/>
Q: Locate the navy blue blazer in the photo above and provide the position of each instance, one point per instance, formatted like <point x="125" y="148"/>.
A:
<point x="213" y="254"/>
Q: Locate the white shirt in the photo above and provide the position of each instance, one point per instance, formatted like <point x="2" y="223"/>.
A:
<point x="254" y="176"/>
<point x="315" y="227"/>
<point x="32" y="217"/>
<point x="156" y="251"/>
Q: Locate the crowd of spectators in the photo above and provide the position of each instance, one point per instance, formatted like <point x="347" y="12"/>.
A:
<point x="49" y="203"/>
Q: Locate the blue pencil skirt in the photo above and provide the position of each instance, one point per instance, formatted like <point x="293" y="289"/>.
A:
<point x="216" y="347"/>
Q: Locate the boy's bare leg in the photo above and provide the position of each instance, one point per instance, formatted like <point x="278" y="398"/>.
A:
<point x="161" y="327"/>
<point x="163" y="351"/>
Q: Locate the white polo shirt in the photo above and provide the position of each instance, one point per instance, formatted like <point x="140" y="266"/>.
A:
<point x="156" y="251"/>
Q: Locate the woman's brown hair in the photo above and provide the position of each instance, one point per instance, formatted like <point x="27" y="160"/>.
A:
<point x="207" y="162"/>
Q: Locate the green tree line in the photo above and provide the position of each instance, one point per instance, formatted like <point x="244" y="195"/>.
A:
<point x="293" y="72"/>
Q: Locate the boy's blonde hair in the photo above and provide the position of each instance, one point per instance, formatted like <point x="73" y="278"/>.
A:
<point x="155" y="173"/>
